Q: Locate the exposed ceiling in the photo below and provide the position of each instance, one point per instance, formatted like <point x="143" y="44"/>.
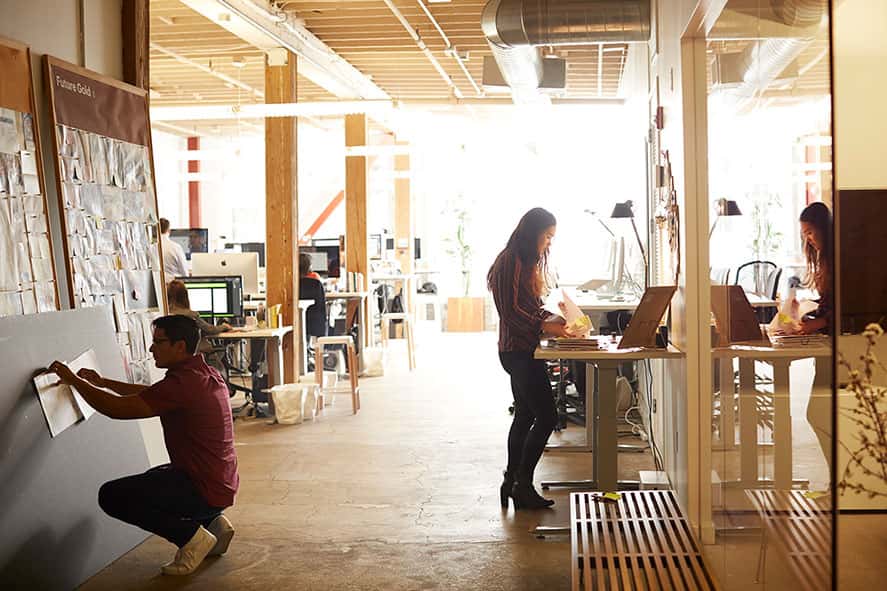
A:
<point x="196" y="61"/>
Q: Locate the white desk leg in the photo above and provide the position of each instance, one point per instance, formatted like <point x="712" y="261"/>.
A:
<point x="748" y="423"/>
<point x="605" y="451"/>
<point x="782" y="426"/>
<point x="727" y="432"/>
<point x="819" y="408"/>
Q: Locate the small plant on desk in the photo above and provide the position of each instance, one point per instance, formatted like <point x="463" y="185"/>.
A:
<point x="868" y="456"/>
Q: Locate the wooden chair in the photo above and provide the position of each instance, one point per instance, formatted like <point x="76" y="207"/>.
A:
<point x="407" y="320"/>
<point x="352" y="369"/>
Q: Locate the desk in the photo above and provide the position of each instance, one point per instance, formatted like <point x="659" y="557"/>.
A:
<point x="601" y="435"/>
<point x="273" y="339"/>
<point x="759" y="301"/>
<point x="592" y="302"/>
<point x="780" y="358"/>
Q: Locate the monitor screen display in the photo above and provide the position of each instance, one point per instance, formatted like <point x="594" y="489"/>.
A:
<point x="218" y="297"/>
<point x="330" y="248"/>
<point x="191" y="239"/>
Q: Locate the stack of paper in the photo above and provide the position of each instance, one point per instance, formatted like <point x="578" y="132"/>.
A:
<point x="580" y="344"/>
<point x="800" y="340"/>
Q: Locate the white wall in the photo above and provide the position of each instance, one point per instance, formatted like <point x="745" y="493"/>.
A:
<point x="169" y="170"/>
<point x="51" y="27"/>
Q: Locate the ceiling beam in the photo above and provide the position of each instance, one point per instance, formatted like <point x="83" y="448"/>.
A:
<point x="224" y="77"/>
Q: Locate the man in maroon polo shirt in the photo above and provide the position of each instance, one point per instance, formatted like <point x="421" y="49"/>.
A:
<point x="181" y="501"/>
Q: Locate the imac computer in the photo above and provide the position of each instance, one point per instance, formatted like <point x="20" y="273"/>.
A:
<point x="245" y="264"/>
<point x="216" y="298"/>
<point x="616" y="265"/>
<point x="191" y="240"/>
<point x="256" y="247"/>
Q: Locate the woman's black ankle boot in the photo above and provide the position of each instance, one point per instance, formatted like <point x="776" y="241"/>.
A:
<point x="526" y="497"/>
<point x="505" y="489"/>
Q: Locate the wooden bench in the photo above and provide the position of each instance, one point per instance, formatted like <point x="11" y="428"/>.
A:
<point x="640" y="542"/>
<point x="801" y="529"/>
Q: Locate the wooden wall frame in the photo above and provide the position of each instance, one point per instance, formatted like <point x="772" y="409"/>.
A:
<point x="17" y="93"/>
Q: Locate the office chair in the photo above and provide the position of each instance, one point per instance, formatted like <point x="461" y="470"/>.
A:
<point x="316" y="321"/>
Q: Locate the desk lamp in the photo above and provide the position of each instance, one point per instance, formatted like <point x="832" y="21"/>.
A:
<point x="724" y="207"/>
<point x="623" y="210"/>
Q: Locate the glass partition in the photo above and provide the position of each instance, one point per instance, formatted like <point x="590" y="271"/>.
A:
<point x="771" y="261"/>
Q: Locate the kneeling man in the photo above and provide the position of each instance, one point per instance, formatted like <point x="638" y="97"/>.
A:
<point x="181" y="501"/>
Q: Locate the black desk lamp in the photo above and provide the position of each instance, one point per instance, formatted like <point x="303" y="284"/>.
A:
<point x="724" y="207"/>
<point x="623" y="210"/>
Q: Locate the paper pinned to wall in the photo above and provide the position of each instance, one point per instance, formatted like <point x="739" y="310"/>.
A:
<point x="63" y="405"/>
<point x="86" y="360"/>
<point x="57" y="401"/>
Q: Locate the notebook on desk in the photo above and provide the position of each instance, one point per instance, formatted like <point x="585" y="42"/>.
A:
<point x="735" y="317"/>
<point x="644" y="323"/>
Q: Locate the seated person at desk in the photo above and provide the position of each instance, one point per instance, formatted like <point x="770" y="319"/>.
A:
<point x="517" y="281"/>
<point x="179" y="304"/>
<point x="305" y="267"/>
<point x="181" y="501"/>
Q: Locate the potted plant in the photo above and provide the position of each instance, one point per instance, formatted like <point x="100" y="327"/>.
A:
<point x="464" y="313"/>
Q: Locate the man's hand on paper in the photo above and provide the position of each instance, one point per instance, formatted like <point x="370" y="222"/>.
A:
<point x="66" y="376"/>
<point x="91" y="376"/>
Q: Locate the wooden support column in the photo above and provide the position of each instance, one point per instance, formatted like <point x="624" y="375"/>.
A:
<point x="281" y="206"/>
<point x="193" y="185"/>
<point x="356" y="259"/>
<point x="403" y="220"/>
<point x="136" y="33"/>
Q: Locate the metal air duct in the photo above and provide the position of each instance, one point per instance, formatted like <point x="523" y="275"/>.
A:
<point x="515" y="28"/>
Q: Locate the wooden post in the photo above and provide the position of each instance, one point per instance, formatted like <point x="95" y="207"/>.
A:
<point x="356" y="209"/>
<point x="136" y="33"/>
<point x="194" y="205"/>
<point x="281" y="207"/>
<point x="403" y="221"/>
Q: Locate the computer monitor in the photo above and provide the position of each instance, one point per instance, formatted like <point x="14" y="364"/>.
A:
<point x="256" y="247"/>
<point x="217" y="298"/>
<point x="330" y="247"/>
<point x="374" y="246"/>
<point x="245" y="264"/>
<point x="191" y="239"/>
<point x="616" y="264"/>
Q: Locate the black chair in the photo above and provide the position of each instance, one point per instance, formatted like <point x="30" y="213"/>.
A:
<point x="761" y="278"/>
<point x="316" y="322"/>
<point x="720" y="276"/>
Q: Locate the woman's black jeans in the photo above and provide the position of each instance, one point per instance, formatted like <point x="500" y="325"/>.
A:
<point x="535" y="414"/>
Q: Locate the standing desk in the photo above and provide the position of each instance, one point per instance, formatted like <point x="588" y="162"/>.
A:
<point x="601" y="435"/>
<point x="272" y="338"/>
<point x="780" y="358"/>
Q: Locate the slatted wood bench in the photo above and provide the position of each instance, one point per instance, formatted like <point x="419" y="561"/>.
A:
<point x="641" y="542"/>
<point x="800" y="528"/>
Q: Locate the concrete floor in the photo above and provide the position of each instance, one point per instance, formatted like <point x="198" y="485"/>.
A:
<point x="404" y="495"/>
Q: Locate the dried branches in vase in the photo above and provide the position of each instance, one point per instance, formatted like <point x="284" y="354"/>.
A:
<point x="868" y="452"/>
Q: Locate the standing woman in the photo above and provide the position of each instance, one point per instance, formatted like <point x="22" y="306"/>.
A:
<point x="517" y="280"/>
<point x="816" y="235"/>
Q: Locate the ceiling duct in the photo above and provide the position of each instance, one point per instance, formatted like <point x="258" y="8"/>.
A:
<point x="783" y="33"/>
<point x="515" y="28"/>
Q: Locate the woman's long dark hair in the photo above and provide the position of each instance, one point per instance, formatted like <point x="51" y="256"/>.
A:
<point x="177" y="295"/>
<point x="819" y="262"/>
<point x="524" y="245"/>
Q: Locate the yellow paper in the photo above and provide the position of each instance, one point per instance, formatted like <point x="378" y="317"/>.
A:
<point x="612" y="496"/>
